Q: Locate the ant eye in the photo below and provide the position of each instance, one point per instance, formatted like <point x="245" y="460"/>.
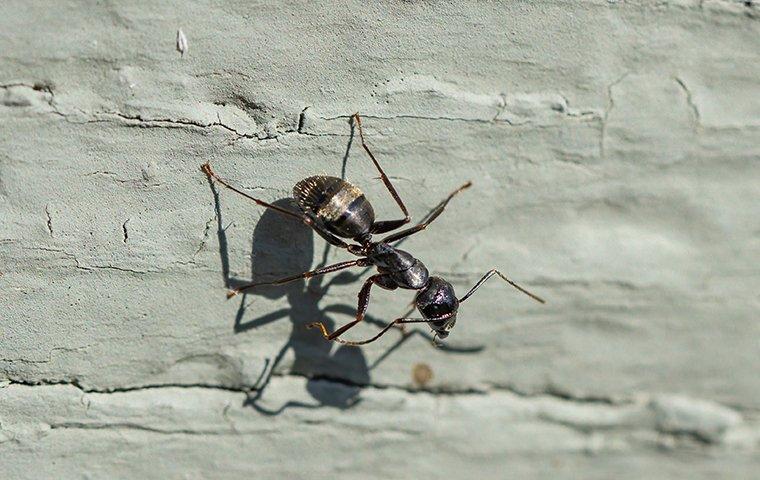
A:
<point x="452" y="321"/>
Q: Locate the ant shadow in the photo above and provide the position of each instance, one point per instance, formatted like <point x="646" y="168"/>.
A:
<point x="281" y="246"/>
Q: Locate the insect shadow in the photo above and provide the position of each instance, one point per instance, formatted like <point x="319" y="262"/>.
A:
<point x="313" y="357"/>
<point x="281" y="245"/>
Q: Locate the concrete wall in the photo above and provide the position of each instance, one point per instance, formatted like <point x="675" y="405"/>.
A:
<point x="615" y="153"/>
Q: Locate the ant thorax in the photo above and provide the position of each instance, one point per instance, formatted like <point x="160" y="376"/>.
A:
<point x="405" y="270"/>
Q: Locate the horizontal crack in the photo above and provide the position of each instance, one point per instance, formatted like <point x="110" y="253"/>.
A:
<point x="139" y="120"/>
<point x="77" y="384"/>
<point x="159" y="122"/>
<point x="439" y="391"/>
<point x="483" y="121"/>
<point x="552" y="391"/>
<point x="585" y="415"/>
<point x="418" y="117"/>
<point x="134" y="426"/>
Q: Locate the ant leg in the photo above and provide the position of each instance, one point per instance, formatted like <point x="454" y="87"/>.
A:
<point x="206" y="168"/>
<point x="405" y="335"/>
<point x="387" y="225"/>
<point x="490" y="274"/>
<point x="329" y="237"/>
<point x="313" y="273"/>
<point x="381" y="280"/>
<point x="394" y="323"/>
<point x="369" y="319"/>
<point x="409" y="309"/>
<point x="433" y="215"/>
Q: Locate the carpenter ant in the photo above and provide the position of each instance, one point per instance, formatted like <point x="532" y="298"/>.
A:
<point x="338" y="210"/>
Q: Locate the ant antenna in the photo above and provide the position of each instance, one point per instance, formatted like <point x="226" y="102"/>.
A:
<point x="490" y="274"/>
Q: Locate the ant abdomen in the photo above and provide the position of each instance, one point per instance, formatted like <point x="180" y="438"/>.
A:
<point x="340" y="206"/>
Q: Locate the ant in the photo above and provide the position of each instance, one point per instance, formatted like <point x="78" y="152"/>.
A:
<point x="338" y="210"/>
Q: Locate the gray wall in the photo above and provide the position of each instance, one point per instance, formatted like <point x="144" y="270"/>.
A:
<point x="614" y="149"/>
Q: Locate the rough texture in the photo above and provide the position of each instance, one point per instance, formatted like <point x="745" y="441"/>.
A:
<point x="615" y="157"/>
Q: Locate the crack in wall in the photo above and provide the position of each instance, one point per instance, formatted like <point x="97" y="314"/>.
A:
<point x="76" y="383"/>
<point x="547" y="391"/>
<point x="606" y="113"/>
<point x="550" y="391"/>
<point x="300" y="128"/>
<point x="88" y="268"/>
<point x="79" y="265"/>
<point x="119" y="269"/>
<point x="49" y="221"/>
<point x="667" y="418"/>
<point x="136" y="426"/>
<point x="145" y="122"/>
<point x="49" y="359"/>
<point x="163" y="122"/>
<point x="696" y="117"/>
<point x="31" y="101"/>
<point x="584" y="114"/>
<point x="302" y="120"/>
<point x="206" y="232"/>
<point x="744" y="8"/>
<point x="68" y="255"/>
<point x="232" y="430"/>
<point x="418" y="117"/>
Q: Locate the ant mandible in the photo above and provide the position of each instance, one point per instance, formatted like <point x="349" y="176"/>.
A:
<point x="338" y="210"/>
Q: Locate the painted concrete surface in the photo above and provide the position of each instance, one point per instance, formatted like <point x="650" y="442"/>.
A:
<point x="614" y="154"/>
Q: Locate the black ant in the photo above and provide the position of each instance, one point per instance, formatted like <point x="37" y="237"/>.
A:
<point x="338" y="210"/>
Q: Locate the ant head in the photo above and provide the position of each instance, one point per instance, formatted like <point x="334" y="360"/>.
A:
<point x="438" y="304"/>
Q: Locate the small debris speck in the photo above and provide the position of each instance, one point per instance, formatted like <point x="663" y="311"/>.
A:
<point x="422" y="374"/>
<point x="181" y="42"/>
